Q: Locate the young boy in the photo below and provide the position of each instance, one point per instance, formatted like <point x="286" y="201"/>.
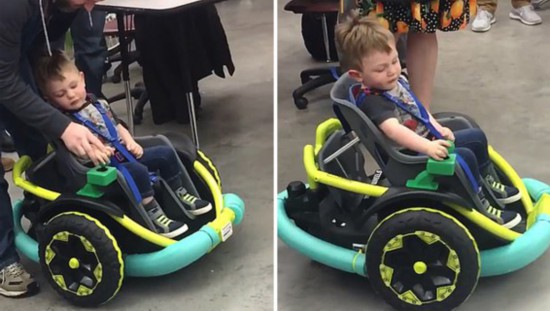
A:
<point x="62" y="85"/>
<point x="369" y="55"/>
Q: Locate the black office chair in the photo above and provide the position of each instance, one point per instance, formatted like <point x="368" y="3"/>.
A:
<point x="318" y="22"/>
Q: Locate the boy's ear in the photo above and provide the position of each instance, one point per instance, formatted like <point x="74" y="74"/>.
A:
<point x="355" y="75"/>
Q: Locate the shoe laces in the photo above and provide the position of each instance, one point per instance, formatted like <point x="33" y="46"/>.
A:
<point x="494" y="211"/>
<point x="484" y="14"/>
<point x="495" y="184"/>
<point x="15" y="269"/>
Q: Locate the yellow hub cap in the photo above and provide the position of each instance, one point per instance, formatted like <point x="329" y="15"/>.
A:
<point x="74" y="263"/>
<point x="420" y="267"/>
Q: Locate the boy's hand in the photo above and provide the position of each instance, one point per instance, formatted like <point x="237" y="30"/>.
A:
<point x="134" y="148"/>
<point x="437" y="149"/>
<point x="103" y="157"/>
<point x="447" y="133"/>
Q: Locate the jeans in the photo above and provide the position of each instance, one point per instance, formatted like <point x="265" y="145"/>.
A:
<point x="28" y="141"/>
<point x="471" y="145"/>
<point x="158" y="158"/>
<point x="90" y="50"/>
<point x="8" y="255"/>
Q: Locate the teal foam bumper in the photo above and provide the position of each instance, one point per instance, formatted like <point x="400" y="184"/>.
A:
<point x="497" y="261"/>
<point x="164" y="261"/>
<point x="315" y="248"/>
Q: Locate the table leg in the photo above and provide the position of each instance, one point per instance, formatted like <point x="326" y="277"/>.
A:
<point x="125" y="72"/>
<point x="325" y="36"/>
<point x="192" y="118"/>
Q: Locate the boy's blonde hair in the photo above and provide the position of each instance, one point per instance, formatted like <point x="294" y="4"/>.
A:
<point x="48" y="68"/>
<point x="358" y="36"/>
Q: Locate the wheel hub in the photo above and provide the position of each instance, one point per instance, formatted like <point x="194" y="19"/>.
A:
<point x="419" y="267"/>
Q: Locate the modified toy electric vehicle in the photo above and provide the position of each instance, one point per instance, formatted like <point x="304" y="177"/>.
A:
<point x="88" y="231"/>
<point x="414" y="226"/>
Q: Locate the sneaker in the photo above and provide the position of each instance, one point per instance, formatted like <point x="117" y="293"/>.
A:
<point x="526" y="15"/>
<point x="507" y="219"/>
<point x="8" y="164"/>
<point x="164" y="225"/>
<point x="483" y="21"/>
<point x="193" y="204"/>
<point x="16" y="282"/>
<point x="537" y="4"/>
<point x="503" y="193"/>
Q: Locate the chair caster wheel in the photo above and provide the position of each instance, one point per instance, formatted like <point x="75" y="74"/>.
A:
<point x="301" y="103"/>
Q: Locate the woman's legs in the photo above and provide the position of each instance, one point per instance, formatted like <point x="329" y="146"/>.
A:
<point x="421" y="64"/>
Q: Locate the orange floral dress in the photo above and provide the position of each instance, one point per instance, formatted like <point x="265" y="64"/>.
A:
<point x="429" y="16"/>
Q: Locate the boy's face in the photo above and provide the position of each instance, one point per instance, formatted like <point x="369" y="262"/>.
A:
<point x="379" y="70"/>
<point x="69" y="93"/>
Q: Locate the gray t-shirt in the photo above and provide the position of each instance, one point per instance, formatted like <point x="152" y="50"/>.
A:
<point x="379" y="108"/>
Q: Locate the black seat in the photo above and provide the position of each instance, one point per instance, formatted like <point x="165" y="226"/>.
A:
<point x="397" y="165"/>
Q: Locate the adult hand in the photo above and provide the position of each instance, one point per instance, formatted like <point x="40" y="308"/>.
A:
<point x="80" y="141"/>
<point x="437" y="149"/>
<point x="447" y="133"/>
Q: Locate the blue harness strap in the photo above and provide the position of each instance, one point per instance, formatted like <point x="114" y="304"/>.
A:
<point x="112" y="137"/>
<point x="424" y="118"/>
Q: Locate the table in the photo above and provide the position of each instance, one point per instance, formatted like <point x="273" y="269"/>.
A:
<point x="121" y="7"/>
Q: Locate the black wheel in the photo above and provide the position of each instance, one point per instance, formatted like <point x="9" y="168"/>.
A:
<point x="301" y="103"/>
<point x="422" y="259"/>
<point x="81" y="259"/>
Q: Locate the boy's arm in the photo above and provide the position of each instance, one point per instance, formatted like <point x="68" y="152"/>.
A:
<point x="124" y="134"/>
<point x="404" y="136"/>
<point x="444" y="131"/>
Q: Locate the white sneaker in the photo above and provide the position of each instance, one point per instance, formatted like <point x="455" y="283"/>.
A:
<point x="526" y="15"/>
<point x="483" y="21"/>
<point x="537" y="4"/>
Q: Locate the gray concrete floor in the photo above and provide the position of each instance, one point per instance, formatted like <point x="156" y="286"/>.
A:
<point x="236" y="131"/>
<point x="499" y="78"/>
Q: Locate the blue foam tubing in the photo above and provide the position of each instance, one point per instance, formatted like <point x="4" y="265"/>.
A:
<point x="165" y="261"/>
<point x="497" y="261"/>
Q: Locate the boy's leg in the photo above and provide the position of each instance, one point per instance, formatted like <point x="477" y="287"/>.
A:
<point x="508" y="219"/>
<point x="164" y="160"/>
<point x="475" y="140"/>
<point x="164" y="225"/>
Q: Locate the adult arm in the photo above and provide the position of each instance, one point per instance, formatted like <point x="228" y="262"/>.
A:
<point x="16" y="95"/>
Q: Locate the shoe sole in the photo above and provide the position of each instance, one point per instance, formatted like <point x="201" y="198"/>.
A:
<point x="172" y="234"/>
<point x="511" y="199"/>
<point x="493" y="20"/>
<point x="32" y="289"/>
<point x="200" y="211"/>
<point x="517" y="17"/>
<point x="514" y="222"/>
